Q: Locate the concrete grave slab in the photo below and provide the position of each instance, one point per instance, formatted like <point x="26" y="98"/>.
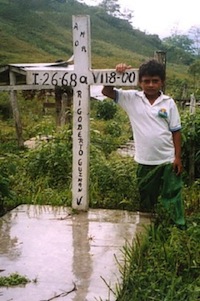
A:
<point x="70" y="255"/>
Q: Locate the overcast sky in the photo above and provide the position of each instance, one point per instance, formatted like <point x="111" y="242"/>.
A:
<point x="162" y="17"/>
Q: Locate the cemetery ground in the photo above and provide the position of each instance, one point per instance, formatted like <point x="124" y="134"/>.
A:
<point x="163" y="262"/>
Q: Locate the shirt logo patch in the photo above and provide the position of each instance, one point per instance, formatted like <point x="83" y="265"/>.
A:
<point x="162" y="113"/>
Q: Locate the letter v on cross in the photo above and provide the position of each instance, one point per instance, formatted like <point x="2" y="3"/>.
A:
<point x="80" y="79"/>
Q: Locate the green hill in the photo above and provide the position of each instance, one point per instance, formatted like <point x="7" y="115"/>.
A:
<point x="35" y="31"/>
<point x="38" y="31"/>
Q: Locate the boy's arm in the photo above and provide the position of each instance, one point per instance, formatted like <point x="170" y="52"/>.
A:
<point x="177" y="164"/>
<point x="109" y="92"/>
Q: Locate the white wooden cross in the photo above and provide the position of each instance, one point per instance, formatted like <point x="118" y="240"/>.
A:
<point x="80" y="79"/>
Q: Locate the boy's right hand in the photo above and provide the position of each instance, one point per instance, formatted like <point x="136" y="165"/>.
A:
<point x="122" y="67"/>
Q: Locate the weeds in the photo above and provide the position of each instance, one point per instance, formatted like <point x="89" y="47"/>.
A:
<point x="163" y="264"/>
<point x="13" y="280"/>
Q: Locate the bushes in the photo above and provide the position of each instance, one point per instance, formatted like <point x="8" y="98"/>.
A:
<point x="8" y="168"/>
<point x="43" y="176"/>
<point x="106" y="109"/>
<point x="53" y="161"/>
<point x="191" y="143"/>
<point x="113" y="182"/>
<point x="4" y="192"/>
<point x="110" y="127"/>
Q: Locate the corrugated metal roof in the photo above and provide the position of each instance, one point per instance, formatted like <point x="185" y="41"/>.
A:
<point x="58" y="63"/>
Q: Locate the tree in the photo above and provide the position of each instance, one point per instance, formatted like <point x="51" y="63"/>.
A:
<point x="194" y="33"/>
<point x="180" y="41"/>
<point x="194" y="70"/>
<point x="179" y="49"/>
<point x="127" y="14"/>
<point x="112" y="7"/>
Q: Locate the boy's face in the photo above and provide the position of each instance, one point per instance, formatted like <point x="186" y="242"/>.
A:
<point x="151" y="85"/>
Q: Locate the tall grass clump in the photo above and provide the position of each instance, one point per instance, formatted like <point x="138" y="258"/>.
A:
<point x="47" y="169"/>
<point x="162" y="264"/>
<point x="113" y="181"/>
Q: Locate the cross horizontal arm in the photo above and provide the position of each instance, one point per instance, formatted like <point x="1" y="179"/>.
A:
<point x="112" y="78"/>
<point x="65" y="77"/>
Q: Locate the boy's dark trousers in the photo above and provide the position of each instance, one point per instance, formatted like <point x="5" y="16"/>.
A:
<point x="161" y="180"/>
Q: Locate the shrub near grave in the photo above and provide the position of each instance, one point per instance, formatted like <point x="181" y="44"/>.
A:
<point x="113" y="181"/>
<point x="191" y="141"/>
<point x="8" y="168"/>
<point x="52" y="160"/>
<point x="106" y="109"/>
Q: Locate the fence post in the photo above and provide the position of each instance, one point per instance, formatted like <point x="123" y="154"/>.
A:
<point x="160" y="56"/>
<point x="15" y="110"/>
<point x="192" y="141"/>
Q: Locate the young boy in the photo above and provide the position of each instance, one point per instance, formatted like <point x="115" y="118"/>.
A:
<point x="156" y="129"/>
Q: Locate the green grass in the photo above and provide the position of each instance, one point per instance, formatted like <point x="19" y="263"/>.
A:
<point x="13" y="279"/>
<point x="162" y="264"/>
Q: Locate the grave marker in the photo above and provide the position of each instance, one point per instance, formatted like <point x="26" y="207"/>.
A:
<point x="80" y="79"/>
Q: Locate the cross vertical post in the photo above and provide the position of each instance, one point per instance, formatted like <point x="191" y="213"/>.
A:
<point x="80" y="79"/>
<point x="81" y="112"/>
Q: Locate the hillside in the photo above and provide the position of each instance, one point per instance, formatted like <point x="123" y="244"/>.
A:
<point x="38" y="33"/>
<point x="35" y="31"/>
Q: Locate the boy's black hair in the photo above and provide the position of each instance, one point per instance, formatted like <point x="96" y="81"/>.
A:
<point x="152" y="68"/>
